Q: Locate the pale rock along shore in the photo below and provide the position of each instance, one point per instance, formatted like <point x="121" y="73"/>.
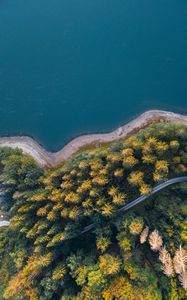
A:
<point x="48" y="159"/>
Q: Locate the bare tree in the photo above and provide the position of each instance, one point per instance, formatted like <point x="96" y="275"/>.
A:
<point x="155" y="240"/>
<point x="183" y="279"/>
<point x="144" y="235"/>
<point x="180" y="260"/>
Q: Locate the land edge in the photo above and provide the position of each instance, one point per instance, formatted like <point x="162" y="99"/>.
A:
<point x="48" y="159"/>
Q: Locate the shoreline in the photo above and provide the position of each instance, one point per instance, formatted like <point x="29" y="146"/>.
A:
<point x="52" y="159"/>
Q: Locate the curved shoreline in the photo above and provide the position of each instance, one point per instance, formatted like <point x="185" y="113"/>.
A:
<point x="141" y="199"/>
<point x="48" y="159"/>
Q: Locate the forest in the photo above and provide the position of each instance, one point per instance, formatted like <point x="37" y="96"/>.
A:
<point x="140" y="254"/>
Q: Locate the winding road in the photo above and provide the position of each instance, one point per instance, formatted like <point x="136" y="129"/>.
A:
<point x="135" y="202"/>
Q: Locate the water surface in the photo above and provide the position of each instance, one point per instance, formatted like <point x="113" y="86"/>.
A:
<point x="73" y="66"/>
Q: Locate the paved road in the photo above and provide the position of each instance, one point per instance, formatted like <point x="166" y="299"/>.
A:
<point x="155" y="190"/>
<point x="4" y="223"/>
<point x="143" y="198"/>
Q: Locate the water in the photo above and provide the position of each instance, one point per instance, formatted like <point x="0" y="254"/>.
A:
<point x="73" y="66"/>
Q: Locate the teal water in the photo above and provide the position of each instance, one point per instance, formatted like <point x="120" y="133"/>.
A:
<point x="75" y="66"/>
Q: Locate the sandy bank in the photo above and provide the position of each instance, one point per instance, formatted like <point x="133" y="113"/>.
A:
<point x="45" y="158"/>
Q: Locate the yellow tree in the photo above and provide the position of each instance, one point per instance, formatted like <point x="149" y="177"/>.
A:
<point x="109" y="264"/>
<point x="136" y="226"/>
<point x="136" y="178"/>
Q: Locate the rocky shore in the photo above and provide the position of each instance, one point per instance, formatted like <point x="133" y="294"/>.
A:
<point x="48" y="159"/>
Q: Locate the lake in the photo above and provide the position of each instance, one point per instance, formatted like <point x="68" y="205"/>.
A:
<point x="69" y="67"/>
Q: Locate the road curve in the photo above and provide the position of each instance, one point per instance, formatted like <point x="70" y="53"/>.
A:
<point x="140" y="199"/>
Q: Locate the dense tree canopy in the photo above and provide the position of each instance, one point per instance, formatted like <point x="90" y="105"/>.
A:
<point x="140" y="254"/>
